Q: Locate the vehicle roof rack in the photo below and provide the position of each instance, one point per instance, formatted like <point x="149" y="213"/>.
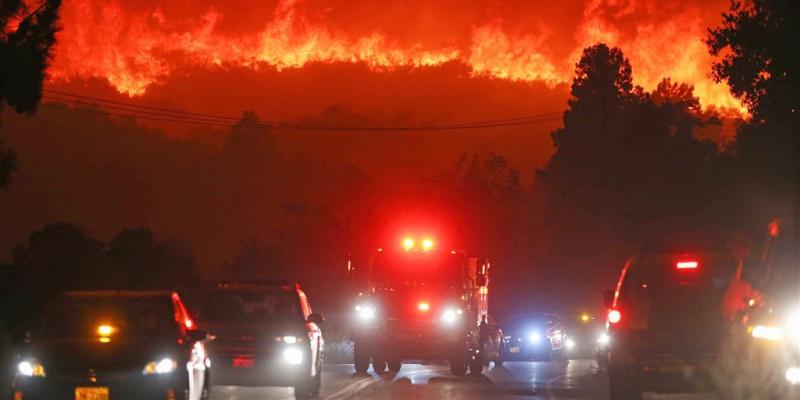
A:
<point x="117" y="293"/>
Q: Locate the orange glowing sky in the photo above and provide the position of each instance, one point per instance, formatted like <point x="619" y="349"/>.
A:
<point x="135" y="45"/>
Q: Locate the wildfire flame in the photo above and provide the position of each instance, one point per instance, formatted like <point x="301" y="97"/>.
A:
<point x="133" y="50"/>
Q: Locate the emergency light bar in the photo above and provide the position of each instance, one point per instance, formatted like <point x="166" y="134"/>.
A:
<point x="426" y="244"/>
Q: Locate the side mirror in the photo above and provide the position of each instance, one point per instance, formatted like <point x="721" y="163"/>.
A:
<point x="316" y="318"/>
<point x="197" y="335"/>
<point x="481" y="280"/>
<point x="608" y="298"/>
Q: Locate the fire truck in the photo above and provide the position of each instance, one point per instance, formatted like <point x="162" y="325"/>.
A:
<point x="421" y="302"/>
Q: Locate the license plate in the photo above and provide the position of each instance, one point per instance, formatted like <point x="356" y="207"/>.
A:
<point x="91" y="393"/>
<point x="514" y="350"/>
<point x="243" y="362"/>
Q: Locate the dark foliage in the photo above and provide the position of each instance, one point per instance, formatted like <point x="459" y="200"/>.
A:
<point x="8" y="161"/>
<point x="758" y="41"/>
<point x="26" y="37"/>
<point x="629" y="157"/>
<point x="61" y="257"/>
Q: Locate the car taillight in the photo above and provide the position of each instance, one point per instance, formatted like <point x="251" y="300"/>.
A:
<point x="614" y="316"/>
<point x="689" y="264"/>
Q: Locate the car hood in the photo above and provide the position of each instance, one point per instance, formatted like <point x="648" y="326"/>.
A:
<point x="70" y="356"/>
<point x="249" y="336"/>
<point x="523" y="330"/>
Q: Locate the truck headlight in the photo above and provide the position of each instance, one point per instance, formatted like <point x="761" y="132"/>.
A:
<point x="767" y="332"/>
<point x="449" y="316"/>
<point x="535" y="337"/>
<point x="158" y="367"/>
<point x="603" y="339"/>
<point x="365" y="312"/>
<point x="569" y="343"/>
<point x="792" y="375"/>
<point x="30" y="368"/>
<point x="293" y="356"/>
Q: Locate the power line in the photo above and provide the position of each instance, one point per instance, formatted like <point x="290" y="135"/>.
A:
<point x="132" y="105"/>
<point x="307" y="128"/>
<point x="235" y="119"/>
<point x="179" y="116"/>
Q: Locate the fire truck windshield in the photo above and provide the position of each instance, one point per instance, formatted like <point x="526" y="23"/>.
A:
<point x="418" y="268"/>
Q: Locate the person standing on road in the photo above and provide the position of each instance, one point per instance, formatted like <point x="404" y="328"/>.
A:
<point x="483" y="337"/>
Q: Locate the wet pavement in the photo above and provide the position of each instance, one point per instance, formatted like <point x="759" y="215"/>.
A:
<point x="560" y="380"/>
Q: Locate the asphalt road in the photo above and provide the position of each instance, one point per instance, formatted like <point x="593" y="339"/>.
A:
<point x="559" y="380"/>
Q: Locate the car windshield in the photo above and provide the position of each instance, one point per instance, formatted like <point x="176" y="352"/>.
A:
<point x="526" y="322"/>
<point x="126" y="317"/>
<point x="418" y="268"/>
<point x="251" y="306"/>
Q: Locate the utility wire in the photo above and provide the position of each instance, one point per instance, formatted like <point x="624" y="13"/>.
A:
<point x="235" y="119"/>
<point x="170" y="115"/>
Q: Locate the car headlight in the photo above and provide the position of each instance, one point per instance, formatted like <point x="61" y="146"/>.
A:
<point x="766" y="332"/>
<point x="535" y="337"/>
<point x="162" y="366"/>
<point x="365" y="312"/>
<point x="31" y="368"/>
<point x="293" y="356"/>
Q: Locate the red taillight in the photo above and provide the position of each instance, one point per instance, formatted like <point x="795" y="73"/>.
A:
<point x="614" y="316"/>
<point x="687" y="264"/>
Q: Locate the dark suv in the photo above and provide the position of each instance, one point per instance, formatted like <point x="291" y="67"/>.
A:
<point x="264" y="335"/>
<point x="113" y="345"/>
<point x="664" y="321"/>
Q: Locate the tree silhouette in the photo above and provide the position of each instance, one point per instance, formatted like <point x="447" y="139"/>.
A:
<point x="26" y="38"/>
<point x="760" y="63"/>
<point x="758" y="45"/>
<point x="61" y="257"/>
<point x="135" y="259"/>
<point x="626" y="156"/>
<point x="8" y="161"/>
<point x="483" y="196"/>
<point x="56" y="257"/>
<point x="256" y="260"/>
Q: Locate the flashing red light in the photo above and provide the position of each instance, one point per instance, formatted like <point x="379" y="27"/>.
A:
<point x="408" y="243"/>
<point x="427" y="244"/>
<point x="687" y="264"/>
<point x="424" y="306"/>
<point x="614" y="316"/>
